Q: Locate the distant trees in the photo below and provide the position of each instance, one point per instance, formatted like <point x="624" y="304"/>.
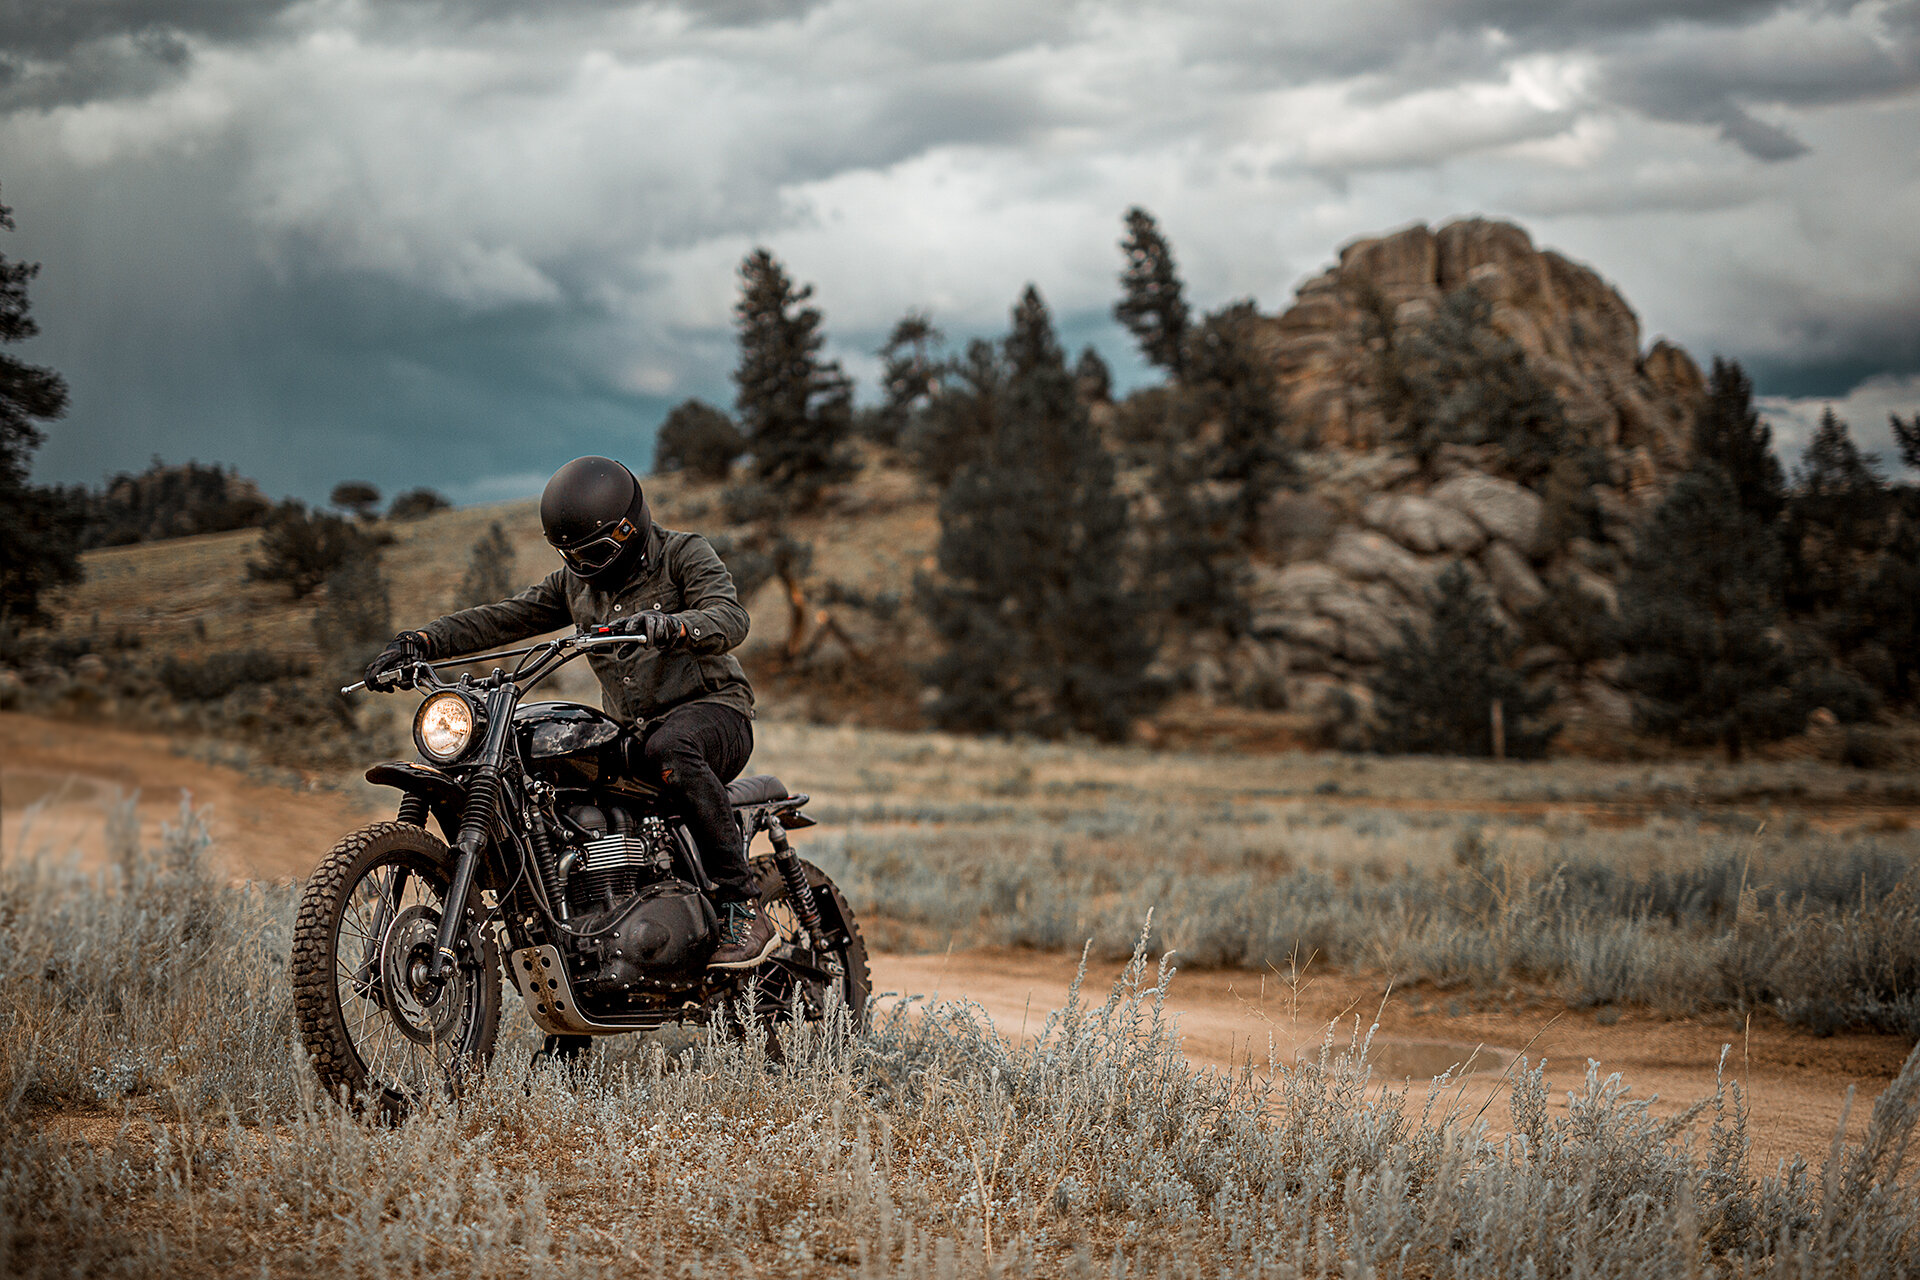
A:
<point x="489" y="575"/>
<point x="1436" y="690"/>
<point x="355" y="616"/>
<point x="355" y="497"/>
<point x="1730" y="435"/>
<point x="40" y="527"/>
<point x="1040" y="634"/>
<point x="909" y="374"/>
<point x="171" y="501"/>
<point x="698" y="439"/>
<point x="796" y="409"/>
<point x="416" y="504"/>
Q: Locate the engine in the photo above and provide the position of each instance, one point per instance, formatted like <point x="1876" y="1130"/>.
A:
<point x="633" y="923"/>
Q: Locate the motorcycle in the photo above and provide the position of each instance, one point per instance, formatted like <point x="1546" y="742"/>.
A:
<point x="558" y="862"/>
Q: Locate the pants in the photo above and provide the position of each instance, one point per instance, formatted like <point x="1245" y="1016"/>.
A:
<point x="694" y="751"/>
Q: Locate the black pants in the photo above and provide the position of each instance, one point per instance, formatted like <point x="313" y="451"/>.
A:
<point x="694" y="751"/>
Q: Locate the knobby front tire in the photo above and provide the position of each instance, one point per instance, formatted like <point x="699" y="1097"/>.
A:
<point x="376" y="1034"/>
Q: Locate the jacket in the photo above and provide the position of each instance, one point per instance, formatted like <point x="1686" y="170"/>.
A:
<point x="682" y="577"/>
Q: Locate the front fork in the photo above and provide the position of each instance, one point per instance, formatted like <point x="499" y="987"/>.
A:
<point x="476" y="826"/>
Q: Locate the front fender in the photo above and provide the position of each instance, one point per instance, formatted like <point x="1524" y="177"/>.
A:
<point x="443" y="794"/>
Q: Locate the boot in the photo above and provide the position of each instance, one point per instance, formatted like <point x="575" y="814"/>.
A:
<point x="746" y="936"/>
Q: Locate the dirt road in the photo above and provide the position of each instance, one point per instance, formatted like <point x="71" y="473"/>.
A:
<point x="59" y="784"/>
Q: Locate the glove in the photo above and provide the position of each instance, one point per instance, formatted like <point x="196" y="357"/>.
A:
<point x="389" y="669"/>
<point x="658" y="629"/>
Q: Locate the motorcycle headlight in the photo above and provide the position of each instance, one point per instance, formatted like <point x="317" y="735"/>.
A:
<point x="443" y="729"/>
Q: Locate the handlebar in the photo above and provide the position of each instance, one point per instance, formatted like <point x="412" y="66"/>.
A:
<point x="552" y="654"/>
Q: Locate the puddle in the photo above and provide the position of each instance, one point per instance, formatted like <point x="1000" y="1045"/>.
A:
<point x="20" y="790"/>
<point x="1425" y="1059"/>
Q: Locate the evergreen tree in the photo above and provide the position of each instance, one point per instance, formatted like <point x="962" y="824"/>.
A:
<point x="1234" y="385"/>
<point x="796" y="409"/>
<point x="909" y="373"/>
<point x="489" y="575"/>
<point x="1730" y="434"/>
<point x="1465" y="382"/>
<point x="303" y="549"/>
<point x="356" y="612"/>
<point x="1906" y="437"/>
<point x="1092" y="377"/>
<point x="1152" y="305"/>
<point x="416" y="504"/>
<point x="1040" y="634"/>
<point x="698" y="439"/>
<point x="953" y="429"/>
<point x="40" y="527"/>
<point x="1699" y="611"/>
<point x="1436" y="689"/>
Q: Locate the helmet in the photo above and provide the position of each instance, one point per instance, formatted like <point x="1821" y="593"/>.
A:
<point x="595" y="515"/>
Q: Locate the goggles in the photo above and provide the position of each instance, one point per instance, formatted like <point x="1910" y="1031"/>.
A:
<point x="599" y="551"/>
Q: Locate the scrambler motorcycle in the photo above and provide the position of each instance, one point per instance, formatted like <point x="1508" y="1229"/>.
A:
<point x="554" y="854"/>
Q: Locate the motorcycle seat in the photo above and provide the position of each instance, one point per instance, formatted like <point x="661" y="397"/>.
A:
<point x="761" y="788"/>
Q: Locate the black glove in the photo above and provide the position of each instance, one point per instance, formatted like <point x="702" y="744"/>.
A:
<point x="658" y="629"/>
<point x="389" y="669"/>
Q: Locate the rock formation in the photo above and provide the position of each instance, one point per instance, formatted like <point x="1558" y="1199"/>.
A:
<point x="1353" y="552"/>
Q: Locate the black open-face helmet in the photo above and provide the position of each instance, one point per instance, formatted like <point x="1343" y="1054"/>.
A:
<point x="595" y="515"/>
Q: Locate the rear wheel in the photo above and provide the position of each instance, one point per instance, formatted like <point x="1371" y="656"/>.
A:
<point x="790" y="979"/>
<point x="378" y="1032"/>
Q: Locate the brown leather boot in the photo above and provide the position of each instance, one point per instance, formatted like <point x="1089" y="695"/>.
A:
<point x="746" y="936"/>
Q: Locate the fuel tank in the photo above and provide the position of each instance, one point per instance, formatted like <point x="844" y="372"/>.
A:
<point x="569" y="737"/>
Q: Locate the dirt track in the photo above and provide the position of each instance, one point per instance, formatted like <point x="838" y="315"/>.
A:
<point x="58" y="782"/>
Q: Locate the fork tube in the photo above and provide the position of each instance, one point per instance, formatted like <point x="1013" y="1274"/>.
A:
<point x="483" y="797"/>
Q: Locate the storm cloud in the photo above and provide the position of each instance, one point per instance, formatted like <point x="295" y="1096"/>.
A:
<point x="421" y="241"/>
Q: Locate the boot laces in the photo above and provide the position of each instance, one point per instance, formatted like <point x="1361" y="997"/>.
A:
<point x="739" y="921"/>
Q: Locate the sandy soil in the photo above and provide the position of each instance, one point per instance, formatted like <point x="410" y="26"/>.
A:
<point x="60" y="781"/>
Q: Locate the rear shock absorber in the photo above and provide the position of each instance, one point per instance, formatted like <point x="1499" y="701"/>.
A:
<point x="800" y="893"/>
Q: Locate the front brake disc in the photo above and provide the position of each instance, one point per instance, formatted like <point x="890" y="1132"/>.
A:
<point x="423" y="1014"/>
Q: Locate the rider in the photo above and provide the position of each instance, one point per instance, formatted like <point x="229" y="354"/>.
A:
<point x="620" y="569"/>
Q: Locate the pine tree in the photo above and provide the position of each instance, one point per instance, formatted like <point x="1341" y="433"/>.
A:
<point x="1040" y="634"/>
<point x="1092" y="377"/>
<point x="1233" y="384"/>
<point x="1465" y="382"/>
<point x="489" y="575"/>
<point x="953" y="429"/>
<point x="1699" y="611"/>
<point x="40" y="527"/>
<point x="795" y="408"/>
<point x="1436" y="689"/>
<point x="356" y="612"/>
<point x="1730" y="434"/>
<point x="909" y="373"/>
<point x="1152" y="305"/>
<point x="1906" y="438"/>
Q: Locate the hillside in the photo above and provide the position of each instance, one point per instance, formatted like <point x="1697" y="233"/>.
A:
<point x="1343" y="556"/>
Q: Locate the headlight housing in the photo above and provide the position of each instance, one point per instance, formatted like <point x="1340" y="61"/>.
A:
<point x="443" y="728"/>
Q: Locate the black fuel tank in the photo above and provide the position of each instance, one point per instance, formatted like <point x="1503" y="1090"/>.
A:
<point x="553" y="731"/>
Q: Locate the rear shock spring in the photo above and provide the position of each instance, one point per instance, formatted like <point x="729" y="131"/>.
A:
<point x="799" y="892"/>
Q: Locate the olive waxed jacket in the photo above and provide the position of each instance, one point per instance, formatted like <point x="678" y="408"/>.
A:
<point x="682" y="578"/>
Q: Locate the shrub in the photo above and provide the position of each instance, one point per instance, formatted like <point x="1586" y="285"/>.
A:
<point x="303" y="549"/>
<point x="489" y="575"/>
<point x="357" y="612"/>
<point x="218" y="674"/>
<point x="698" y="439"/>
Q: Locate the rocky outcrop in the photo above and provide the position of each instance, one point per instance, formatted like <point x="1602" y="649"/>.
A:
<point x="1352" y="556"/>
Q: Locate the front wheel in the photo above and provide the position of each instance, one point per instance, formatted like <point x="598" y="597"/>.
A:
<point x="378" y="1032"/>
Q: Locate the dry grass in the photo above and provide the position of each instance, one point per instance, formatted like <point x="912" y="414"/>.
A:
<point x="930" y="1146"/>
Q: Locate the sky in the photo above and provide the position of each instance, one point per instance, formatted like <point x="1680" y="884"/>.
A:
<point x="456" y="242"/>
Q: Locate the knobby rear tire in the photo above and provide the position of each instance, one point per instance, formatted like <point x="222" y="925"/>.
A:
<point x="856" y="987"/>
<point x="327" y="901"/>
